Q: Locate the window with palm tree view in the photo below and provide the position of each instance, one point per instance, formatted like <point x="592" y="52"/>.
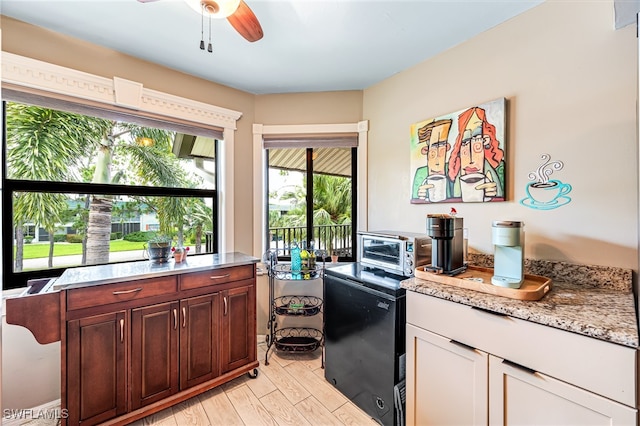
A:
<point x="83" y="190"/>
<point x="311" y="193"/>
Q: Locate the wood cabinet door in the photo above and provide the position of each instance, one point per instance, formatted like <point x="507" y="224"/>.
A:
<point x="238" y="327"/>
<point x="446" y="381"/>
<point x="97" y="368"/>
<point x="154" y="353"/>
<point x="199" y="339"/>
<point x="519" y="396"/>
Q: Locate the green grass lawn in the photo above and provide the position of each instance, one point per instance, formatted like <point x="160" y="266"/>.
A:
<point x="37" y="250"/>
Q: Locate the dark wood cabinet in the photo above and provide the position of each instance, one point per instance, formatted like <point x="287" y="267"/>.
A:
<point x="154" y="353"/>
<point x="136" y="347"/>
<point x="174" y="346"/>
<point x="238" y="327"/>
<point x="96" y="367"/>
<point x="199" y="340"/>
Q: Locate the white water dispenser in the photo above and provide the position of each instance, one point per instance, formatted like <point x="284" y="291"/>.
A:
<point x="508" y="257"/>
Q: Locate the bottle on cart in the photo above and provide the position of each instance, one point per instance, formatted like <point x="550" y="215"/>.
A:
<point x="296" y="261"/>
<point x="312" y="256"/>
<point x="304" y="256"/>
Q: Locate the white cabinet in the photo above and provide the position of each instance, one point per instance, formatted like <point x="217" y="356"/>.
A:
<point x="468" y="366"/>
<point x="450" y="381"/>
<point x="521" y="397"/>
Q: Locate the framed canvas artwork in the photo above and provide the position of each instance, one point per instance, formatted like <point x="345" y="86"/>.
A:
<point x="460" y="157"/>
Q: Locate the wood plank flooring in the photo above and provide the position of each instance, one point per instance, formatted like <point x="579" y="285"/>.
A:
<point x="291" y="390"/>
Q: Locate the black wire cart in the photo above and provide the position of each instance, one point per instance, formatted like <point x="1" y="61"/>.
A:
<point x="292" y="339"/>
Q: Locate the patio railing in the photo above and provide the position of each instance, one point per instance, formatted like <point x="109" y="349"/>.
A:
<point x="338" y="236"/>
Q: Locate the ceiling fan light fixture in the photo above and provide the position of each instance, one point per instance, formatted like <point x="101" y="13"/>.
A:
<point x="218" y="9"/>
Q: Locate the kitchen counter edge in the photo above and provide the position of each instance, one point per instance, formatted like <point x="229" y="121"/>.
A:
<point x="86" y="276"/>
<point x="603" y="314"/>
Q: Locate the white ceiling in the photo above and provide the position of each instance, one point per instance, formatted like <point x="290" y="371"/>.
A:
<point x="308" y="45"/>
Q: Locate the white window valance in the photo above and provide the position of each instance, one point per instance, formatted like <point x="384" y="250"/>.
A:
<point x="29" y="75"/>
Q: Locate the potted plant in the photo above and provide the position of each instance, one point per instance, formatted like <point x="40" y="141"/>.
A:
<point x="158" y="248"/>
<point x="333" y="253"/>
<point x="180" y="253"/>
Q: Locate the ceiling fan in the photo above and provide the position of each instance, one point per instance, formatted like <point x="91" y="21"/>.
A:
<point x="237" y="12"/>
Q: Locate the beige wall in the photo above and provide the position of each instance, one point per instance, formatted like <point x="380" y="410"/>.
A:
<point x="570" y="82"/>
<point x="309" y="108"/>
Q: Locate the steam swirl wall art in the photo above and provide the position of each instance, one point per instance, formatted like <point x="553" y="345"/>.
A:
<point x="544" y="193"/>
<point x="460" y="157"/>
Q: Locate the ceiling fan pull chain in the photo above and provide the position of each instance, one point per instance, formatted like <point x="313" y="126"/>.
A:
<point x="210" y="47"/>
<point x="201" y="26"/>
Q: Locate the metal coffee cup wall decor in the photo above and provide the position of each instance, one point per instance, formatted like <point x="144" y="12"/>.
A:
<point x="544" y="193"/>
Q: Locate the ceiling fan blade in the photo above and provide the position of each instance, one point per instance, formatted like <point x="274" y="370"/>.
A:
<point x="246" y="23"/>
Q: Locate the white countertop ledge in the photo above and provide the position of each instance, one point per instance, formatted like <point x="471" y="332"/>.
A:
<point x="85" y="276"/>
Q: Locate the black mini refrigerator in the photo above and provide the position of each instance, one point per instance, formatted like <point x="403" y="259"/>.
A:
<point x="365" y="316"/>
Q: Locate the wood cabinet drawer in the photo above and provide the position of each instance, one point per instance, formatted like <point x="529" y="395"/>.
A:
<point x="590" y="363"/>
<point x="121" y="292"/>
<point x="216" y="276"/>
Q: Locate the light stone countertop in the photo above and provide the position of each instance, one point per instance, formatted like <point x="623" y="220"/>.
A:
<point x="85" y="276"/>
<point x="589" y="300"/>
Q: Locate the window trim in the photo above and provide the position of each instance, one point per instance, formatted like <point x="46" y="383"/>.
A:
<point x="31" y="76"/>
<point x="302" y="133"/>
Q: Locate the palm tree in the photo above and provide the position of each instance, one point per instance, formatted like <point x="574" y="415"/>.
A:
<point x="45" y="209"/>
<point x="48" y="145"/>
<point x="153" y="165"/>
<point x="199" y="218"/>
<point x="331" y="204"/>
<point x="42" y="144"/>
<point x="331" y="200"/>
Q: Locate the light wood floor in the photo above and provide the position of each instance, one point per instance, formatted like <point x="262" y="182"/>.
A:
<point x="291" y="390"/>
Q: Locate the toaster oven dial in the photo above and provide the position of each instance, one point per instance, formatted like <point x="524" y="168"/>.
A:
<point x="408" y="259"/>
<point x="408" y="265"/>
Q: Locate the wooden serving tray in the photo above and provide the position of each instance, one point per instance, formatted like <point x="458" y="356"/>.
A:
<point x="534" y="287"/>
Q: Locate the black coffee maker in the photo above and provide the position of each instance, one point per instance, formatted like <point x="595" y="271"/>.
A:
<point x="447" y="244"/>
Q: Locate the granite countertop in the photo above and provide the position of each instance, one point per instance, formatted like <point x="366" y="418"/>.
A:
<point x="85" y="276"/>
<point x="590" y="300"/>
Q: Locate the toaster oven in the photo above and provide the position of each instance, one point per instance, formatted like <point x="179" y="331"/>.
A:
<point x="394" y="252"/>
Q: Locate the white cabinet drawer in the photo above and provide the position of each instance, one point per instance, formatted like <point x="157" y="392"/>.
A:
<point x="604" y="368"/>
<point x="518" y="397"/>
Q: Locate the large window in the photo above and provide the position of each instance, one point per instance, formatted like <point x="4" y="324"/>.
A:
<point x="311" y="195"/>
<point x="83" y="189"/>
